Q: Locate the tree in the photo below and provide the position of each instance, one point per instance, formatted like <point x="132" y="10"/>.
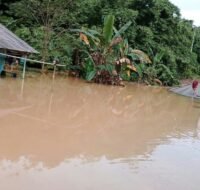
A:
<point x="50" y="16"/>
<point x="157" y="27"/>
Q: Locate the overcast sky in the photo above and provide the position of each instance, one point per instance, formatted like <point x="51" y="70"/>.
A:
<point x="190" y="9"/>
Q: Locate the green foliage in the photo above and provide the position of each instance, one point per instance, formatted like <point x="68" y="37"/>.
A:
<point x="122" y="29"/>
<point x="153" y="26"/>
<point x="108" y="28"/>
<point x="89" y="69"/>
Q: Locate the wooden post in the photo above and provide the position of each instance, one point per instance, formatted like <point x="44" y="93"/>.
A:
<point x="24" y="68"/>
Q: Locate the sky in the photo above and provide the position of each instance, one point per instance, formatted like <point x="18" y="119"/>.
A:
<point x="190" y="9"/>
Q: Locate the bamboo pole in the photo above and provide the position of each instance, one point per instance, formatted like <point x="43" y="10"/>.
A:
<point x="35" y="61"/>
<point x="32" y="60"/>
<point x="24" y="68"/>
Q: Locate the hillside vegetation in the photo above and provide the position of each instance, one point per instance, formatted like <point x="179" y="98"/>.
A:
<point x="107" y="41"/>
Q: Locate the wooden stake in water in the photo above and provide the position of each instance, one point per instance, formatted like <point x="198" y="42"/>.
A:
<point x="55" y="62"/>
<point x="24" y="68"/>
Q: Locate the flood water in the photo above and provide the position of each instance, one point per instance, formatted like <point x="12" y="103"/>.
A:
<point x="71" y="135"/>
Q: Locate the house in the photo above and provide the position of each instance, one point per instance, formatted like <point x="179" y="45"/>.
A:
<point x="10" y="44"/>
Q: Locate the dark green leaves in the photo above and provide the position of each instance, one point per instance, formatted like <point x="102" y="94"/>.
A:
<point x="108" y="28"/>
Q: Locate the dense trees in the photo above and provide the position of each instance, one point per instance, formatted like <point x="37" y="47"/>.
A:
<point x="157" y="29"/>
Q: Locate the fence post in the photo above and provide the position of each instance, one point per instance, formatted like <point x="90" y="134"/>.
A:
<point x="24" y="68"/>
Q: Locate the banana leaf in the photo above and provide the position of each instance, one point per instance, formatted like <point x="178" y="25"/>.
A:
<point x="90" y="75"/>
<point x="91" y="35"/>
<point x="122" y="29"/>
<point x="108" y="28"/>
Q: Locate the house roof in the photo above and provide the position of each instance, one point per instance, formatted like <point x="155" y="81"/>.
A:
<point x="10" y="41"/>
<point x="186" y="91"/>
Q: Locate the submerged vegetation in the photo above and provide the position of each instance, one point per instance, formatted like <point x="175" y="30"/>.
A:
<point x="109" y="41"/>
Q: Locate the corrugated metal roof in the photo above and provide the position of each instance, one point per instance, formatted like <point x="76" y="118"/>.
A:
<point x="10" y="41"/>
<point x="186" y="91"/>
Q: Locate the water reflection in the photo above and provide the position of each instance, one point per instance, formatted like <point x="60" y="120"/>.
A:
<point x="78" y="131"/>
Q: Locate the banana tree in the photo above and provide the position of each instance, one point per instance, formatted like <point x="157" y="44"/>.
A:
<point x="102" y="47"/>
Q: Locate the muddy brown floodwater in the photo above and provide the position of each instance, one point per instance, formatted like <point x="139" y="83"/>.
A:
<point x="71" y="135"/>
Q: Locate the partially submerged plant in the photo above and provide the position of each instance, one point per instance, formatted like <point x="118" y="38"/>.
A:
<point x="107" y="58"/>
<point x="103" y="54"/>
